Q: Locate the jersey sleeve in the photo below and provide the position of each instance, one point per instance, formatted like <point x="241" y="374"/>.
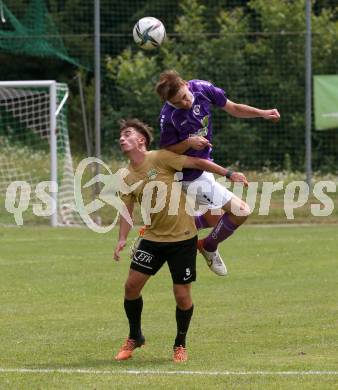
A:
<point x="171" y="160"/>
<point x="168" y="132"/>
<point x="216" y="95"/>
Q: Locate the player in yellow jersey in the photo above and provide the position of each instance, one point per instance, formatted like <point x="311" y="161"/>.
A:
<point x="170" y="235"/>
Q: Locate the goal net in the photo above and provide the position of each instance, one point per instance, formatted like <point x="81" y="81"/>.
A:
<point x="34" y="147"/>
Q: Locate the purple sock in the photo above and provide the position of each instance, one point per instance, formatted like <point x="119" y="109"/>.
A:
<point x="219" y="233"/>
<point x="201" y="222"/>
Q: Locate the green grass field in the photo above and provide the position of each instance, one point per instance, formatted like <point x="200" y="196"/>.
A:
<point x="268" y="325"/>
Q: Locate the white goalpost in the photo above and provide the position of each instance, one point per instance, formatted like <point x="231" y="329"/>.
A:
<point x="34" y="142"/>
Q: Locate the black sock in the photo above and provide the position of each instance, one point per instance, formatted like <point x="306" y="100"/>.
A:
<point x="183" y="318"/>
<point x="133" y="310"/>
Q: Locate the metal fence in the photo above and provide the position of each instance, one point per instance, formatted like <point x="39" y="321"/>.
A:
<point x="255" y="50"/>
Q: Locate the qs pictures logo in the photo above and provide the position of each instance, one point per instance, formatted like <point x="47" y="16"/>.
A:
<point x="112" y="184"/>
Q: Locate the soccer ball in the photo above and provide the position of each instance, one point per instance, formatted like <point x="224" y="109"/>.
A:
<point x="149" y="33"/>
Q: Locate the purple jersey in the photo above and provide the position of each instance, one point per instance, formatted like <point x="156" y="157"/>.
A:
<point x="178" y="124"/>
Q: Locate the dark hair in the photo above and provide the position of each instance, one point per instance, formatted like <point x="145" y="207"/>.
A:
<point x="140" y="127"/>
<point x="169" y="84"/>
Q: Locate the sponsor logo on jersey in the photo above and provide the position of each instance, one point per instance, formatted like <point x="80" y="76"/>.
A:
<point x="203" y="131"/>
<point x="151" y="174"/>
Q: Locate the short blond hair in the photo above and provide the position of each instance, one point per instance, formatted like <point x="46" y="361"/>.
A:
<point x="169" y="84"/>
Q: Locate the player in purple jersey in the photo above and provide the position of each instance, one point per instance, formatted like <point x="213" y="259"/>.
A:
<point x="186" y="128"/>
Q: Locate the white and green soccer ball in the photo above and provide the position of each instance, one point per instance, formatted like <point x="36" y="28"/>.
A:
<point x="149" y="33"/>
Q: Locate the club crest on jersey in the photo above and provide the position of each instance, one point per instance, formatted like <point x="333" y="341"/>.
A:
<point x="151" y="174"/>
<point x="197" y="109"/>
<point x="202" y="132"/>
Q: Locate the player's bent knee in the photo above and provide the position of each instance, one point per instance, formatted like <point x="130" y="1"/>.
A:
<point x="246" y="211"/>
<point x="241" y="215"/>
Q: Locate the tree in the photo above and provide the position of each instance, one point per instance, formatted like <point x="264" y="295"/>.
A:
<point x="256" y="52"/>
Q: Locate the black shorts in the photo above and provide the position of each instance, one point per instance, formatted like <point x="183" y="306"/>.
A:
<point x="180" y="256"/>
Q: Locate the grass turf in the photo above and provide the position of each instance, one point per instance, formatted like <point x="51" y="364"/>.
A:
<point x="62" y="307"/>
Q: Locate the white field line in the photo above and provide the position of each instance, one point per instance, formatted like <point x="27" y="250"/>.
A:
<point x="161" y="372"/>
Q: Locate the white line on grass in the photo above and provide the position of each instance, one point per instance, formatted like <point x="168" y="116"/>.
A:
<point x="159" y="372"/>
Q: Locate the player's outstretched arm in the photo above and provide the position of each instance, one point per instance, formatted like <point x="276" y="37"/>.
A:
<point x="245" y="111"/>
<point x="209" y="166"/>
<point x="123" y="233"/>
